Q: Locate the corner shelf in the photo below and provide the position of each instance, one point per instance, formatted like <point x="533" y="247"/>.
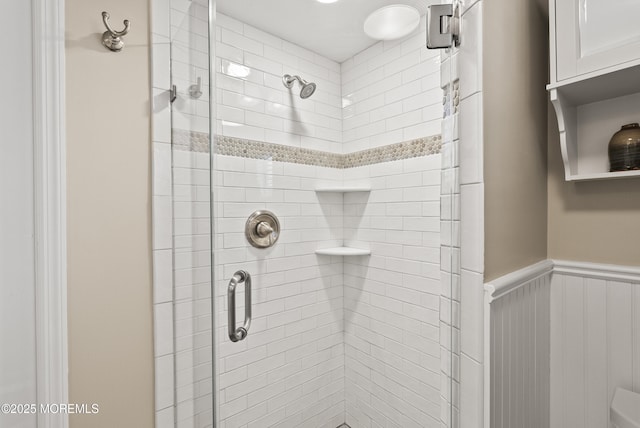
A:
<point x="342" y="189"/>
<point x="343" y="251"/>
<point x="590" y="109"/>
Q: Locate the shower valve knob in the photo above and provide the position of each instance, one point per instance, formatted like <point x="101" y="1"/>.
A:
<point x="263" y="229"/>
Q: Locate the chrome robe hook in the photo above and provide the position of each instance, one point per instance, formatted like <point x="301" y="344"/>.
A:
<point x="110" y="38"/>
<point x="196" y="90"/>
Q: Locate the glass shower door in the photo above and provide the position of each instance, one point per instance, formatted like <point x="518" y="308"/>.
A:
<point x="350" y="322"/>
<point x="190" y="390"/>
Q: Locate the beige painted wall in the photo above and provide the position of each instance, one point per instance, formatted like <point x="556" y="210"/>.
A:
<point x="109" y="230"/>
<point x="592" y="221"/>
<point x="515" y="55"/>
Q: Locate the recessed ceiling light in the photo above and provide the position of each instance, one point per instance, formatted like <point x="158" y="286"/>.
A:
<point x="392" y="22"/>
<point x="327" y="1"/>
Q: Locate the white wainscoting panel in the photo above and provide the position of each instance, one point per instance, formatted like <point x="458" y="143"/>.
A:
<point x="561" y="337"/>
<point x="517" y="328"/>
<point x="595" y="341"/>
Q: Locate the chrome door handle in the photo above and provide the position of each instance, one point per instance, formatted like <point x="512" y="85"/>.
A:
<point x="236" y="334"/>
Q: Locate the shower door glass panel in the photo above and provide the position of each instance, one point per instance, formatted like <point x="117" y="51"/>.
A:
<point x="354" y="167"/>
<point x="186" y="400"/>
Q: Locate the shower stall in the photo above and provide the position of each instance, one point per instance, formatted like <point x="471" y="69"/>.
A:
<point x="306" y="218"/>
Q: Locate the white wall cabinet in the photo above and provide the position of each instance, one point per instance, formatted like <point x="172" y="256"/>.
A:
<point x="593" y="35"/>
<point x="595" y="79"/>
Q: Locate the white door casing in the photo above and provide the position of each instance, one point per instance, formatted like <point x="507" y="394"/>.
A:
<point x="33" y="343"/>
<point x="50" y="204"/>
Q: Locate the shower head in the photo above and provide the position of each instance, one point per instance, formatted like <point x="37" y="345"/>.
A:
<point x="307" y="88"/>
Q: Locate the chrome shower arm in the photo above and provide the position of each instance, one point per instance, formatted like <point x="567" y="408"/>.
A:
<point x="288" y="80"/>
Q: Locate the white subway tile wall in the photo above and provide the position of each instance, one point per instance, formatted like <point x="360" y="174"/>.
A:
<point x="252" y="100"/>
<point x="192" y="290"/>
<point x="470" y="257"/>
<point x="320" y="322"/>
<point x="392" y="298"/>
<point x="450" y="252"/>
<point x="391" y="93"/>
<point x="289" y="371"/>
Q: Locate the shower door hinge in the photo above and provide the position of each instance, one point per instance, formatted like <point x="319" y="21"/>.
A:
<point x="443" y="26"/>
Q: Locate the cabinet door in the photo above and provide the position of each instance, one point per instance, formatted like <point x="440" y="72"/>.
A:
<point x="592" y="35"/>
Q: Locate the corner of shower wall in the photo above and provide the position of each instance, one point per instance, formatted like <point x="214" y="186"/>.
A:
<point x="392" y="99"/>
<point x="467" y="216"/>
<point x="450" y="243"/>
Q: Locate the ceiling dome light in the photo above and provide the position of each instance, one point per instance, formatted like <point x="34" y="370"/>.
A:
<point x="392" y="22"/>
<point x="327" y="1"/>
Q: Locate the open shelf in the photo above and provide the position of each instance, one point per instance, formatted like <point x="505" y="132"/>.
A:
<point x="595" y="84"/>
<point x="342" y="189"/>
<point x="343" y="251"/>
<point x="589" y="113"/>
<point x="612" y="82"/>
<point x="605" y="175"/>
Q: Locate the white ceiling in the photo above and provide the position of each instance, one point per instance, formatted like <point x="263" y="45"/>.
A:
<point x="333" y="30"/>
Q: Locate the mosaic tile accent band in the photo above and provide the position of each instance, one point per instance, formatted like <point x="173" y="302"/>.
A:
<point x="231" y="146"/>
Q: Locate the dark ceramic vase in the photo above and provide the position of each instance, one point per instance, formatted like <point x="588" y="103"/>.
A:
<point x="624" y="148"/>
